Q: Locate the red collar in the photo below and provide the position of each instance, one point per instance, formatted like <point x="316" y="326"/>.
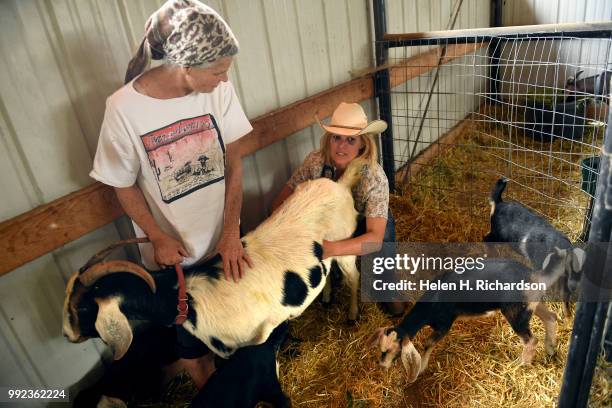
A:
<point x="182" y="306"/>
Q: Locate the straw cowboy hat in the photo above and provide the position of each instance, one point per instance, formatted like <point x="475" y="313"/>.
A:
<point x="349" y="119"/>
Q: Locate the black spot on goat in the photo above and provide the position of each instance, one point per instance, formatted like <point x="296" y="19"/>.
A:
<point x="317" y="250"/>
<point x="314" y="276"/>
<point x="294" y="289"/>
<point x="220" y="346"/>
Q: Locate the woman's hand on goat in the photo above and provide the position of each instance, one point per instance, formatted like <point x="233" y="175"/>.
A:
<point x="233" y="255"/>
<point x="168" y="250"/>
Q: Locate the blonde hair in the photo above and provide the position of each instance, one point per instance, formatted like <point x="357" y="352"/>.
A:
<point x="368" y="151"/>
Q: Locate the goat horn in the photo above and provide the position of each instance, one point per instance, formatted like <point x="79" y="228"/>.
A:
<point x="99" y="270"/>
<point x="103" y="253"/>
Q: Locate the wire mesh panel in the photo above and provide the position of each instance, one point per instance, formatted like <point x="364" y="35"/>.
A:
<point x="467" y="111"/>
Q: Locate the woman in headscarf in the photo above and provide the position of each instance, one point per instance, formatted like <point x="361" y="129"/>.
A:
<point x="168" y="147"/>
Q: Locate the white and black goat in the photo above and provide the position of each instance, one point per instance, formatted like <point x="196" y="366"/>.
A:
<point x="288" y="274"/>
<point x="536" y="238"/>
<point x="435" y="310"/>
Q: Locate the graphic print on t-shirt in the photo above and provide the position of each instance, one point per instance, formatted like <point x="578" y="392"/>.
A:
<point x="186" y="156"/>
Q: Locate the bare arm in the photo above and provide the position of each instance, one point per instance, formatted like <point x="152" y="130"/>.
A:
<point x="281" y="197"/>
<point x="375" y="232"/>
<point x="167" y="249"/>
<point x="229" y="245"/>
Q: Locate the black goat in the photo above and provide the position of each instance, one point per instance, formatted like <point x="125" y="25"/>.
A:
<point x="140" y="374"/>
<point x="536" y="238"/>
<point x="434" y="309"/>
<point x="248" y="377"/>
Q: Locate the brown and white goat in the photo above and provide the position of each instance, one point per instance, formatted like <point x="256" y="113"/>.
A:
<point x="288" y="274"/>
<point x="435" y="310"/>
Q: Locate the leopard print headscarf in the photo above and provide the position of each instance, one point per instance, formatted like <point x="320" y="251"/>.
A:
<point x="185" y="32"/>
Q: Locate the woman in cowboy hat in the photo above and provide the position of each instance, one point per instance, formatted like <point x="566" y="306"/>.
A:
<point x="349" y="136"/>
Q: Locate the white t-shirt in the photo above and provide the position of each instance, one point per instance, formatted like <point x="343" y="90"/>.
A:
<point x="175" y="150"/>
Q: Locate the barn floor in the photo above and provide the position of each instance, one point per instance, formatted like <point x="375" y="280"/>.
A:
<point x="477" y="364"/>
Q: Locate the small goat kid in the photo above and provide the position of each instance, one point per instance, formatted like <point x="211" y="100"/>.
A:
<point x="433" y="310"/>
<point x="287" y="276"/>
<point x="536" y="238"/>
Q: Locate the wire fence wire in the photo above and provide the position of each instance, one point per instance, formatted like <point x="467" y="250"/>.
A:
<point x="533" y="110"/>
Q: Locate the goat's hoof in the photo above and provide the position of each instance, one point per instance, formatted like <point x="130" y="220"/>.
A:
<point x="353" y="316"/>
<point x="326" y="305"/>
<point x="351" y="322"/>
<point x="550" y="349"/>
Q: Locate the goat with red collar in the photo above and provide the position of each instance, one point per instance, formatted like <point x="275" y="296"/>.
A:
<point x="288" y="274"/>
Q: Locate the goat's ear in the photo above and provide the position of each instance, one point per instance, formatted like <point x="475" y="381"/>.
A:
<point x="411" y="359"/>
<point x="376" y="337"/>
<point x="113" y="327"/>
<point x="578" y="258"/>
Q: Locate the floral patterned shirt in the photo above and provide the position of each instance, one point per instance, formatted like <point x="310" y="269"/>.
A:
<point x="371" y="193"/>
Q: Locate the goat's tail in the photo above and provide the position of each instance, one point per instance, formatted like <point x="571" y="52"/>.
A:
<point x="353" y="173"/>
<point x="496" y="194"/>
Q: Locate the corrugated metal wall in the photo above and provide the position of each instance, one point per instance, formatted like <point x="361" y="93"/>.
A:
<point x="560" y="59"/>
<point x="62" y="58"/>
<point x="417" y="118"/>
<point x="525" y="12"/>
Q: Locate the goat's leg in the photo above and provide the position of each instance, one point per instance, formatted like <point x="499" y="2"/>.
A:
<point x="550" y="327"/>
<point x="333" y="281"/>
<point x="326" y="293"/>
<point x="519" y="315"/>
<point x="349" y="269"/>
<point x="566" y="310"/>
<point x="433" y="339"/>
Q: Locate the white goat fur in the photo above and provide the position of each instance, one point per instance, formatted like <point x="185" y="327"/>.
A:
<point x="318" y="210"/>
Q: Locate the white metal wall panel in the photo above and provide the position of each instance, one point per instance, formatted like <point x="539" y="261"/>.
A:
<point x="587" y="55"/>
<point x="422" y="15"/>
<point x="525" y="12"/>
